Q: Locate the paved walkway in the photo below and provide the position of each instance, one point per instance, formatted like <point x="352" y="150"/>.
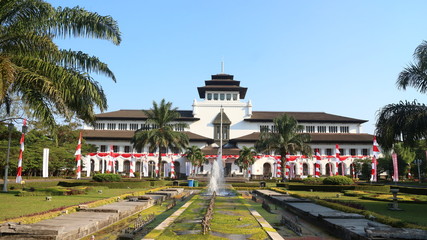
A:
<point x="168" y="221"/>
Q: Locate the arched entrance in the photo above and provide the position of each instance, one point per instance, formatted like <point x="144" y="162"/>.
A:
<point x="138" y="167"/>
<point x="341" y="169"/>
<point x="329" y="169"/>
<point x="353" y="171"/>
<point x="266" y="170"/>
<point x="151" y="169"/>
<point x="165" y="169"/>
<point x="92" y="165"/>
<point x="305" y="169"/>
<point x="126" y="166"/>
<point x="177" y="169"/>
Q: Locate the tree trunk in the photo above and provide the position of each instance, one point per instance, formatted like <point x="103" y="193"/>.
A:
<point x="283" y="166"/>
<point x="159" y="176"/>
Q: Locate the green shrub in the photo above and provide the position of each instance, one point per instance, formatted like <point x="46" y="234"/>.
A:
<point x="313" y="181"/>
<point x="412" y="190"/>
<point x="321" y="188"/>
<point x="338" y="180"/>
<point x="374" y="188"/>
<point x="107" y="177"/>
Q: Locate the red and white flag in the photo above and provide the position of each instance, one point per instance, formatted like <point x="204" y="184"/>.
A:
<point x="110" y="160"/>
<point x="376" y="153"/>
<point x="21" y="151"/>
<point x="337" y="159"/>
<point x="132" y="166"/>
<point x="78" y="155"/>
<point x="395" y="168"/>
<point x="317" y="165"/>
<point x="172" y="168"/>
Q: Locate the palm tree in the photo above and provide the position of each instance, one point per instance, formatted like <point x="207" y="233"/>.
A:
<point x="406" y="121"/>
<point x="246" y="158"/>
<point x="161" y="134"/>
<point x="48" y="80"/>
<point x="196" y="156"/>
<point x="286" y="137"/>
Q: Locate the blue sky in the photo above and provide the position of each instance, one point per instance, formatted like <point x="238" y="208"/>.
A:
<point x="339" y="57"/>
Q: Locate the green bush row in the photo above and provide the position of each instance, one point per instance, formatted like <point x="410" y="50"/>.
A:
<point x="334" y="188"/>
<point x="107" y="177"/>
<point x="411" y="190"/>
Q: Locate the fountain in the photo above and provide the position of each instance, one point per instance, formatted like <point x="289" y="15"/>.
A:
<point x="216" y="181"/>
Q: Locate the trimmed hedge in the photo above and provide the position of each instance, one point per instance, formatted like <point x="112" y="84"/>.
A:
<point x="120" y="185"/>
<point x="411" y="190"/>
<point x="338" y="180"/>
<point x="335" y="188"/>
<point x="107" y="177"/>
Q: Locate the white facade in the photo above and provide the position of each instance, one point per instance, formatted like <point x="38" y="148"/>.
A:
<point x="222" y="91"/>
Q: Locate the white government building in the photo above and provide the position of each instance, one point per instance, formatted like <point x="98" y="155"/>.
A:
<point x="241" y="127"/>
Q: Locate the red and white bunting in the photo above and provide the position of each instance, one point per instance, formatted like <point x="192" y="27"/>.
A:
<point x="21" y="151"/>
<point x="172" y="168"/>
<point x="279" y="168"/>
<point x="337" y="159"/>
<point x="376" y="153"/>
<point x="78" y="155"/>
<point x="317" y="166"/>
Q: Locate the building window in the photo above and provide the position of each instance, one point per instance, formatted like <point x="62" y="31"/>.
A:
<point x="133" y="126"/>
<point x="329" y="151"/>
<point x="365" y="152"/>
<point x="175" y="150"/>
<point x="111" y="126"/>
<point x="228" y="96"/>
<point x="209" y="96"/>
<point x="127" y="149"/>
<point x="222" y="96"/>
<point x="225" y="132"/>
<point x="310" y="129"/>
<point x="333" y="129"/>
<point x="344" y="129"/>
<point x="215" y="96"/>
<point x="115" y="148"/>
<point x="100" y="126"/>
<point x="163" y="150"/>
<point x="321" y="129"/>
<point x="123" y="126"/>
<point x="235" y="96"/>
<point x="179" y="128"/>
<point x="342" y="151"/>
<point x="264" y="128"/>
<point x="353" y="152"/>
<point x="103" y="148"/>
<point x="145" y="127"/>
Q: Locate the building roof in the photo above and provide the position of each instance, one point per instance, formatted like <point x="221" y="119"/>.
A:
<point x="318" y="117"/>
<point x="222" y="82"/>
<point x="186" y="115"/>
<point x="209" y="150"/>
<point x="128" y="135"/>
<point x="318" y="138"/>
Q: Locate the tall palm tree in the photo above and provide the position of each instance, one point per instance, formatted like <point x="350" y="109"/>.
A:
<point x="161" y="134"/>
<point x="48" y="80"/>
<point x="406" y="121"/>
<point x="246" y="158"/>
<point x="196" y="156"/>
<point x="285" y="137"/>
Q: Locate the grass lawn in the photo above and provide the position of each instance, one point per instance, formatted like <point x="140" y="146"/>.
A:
<point x="412" y="212"/>
<point x="231" y="216"/>
<point x="13" y="206"/>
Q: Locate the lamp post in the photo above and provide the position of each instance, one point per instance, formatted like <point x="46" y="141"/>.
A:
<point x="6" y="168"/>
<point x="418" y="162"/>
